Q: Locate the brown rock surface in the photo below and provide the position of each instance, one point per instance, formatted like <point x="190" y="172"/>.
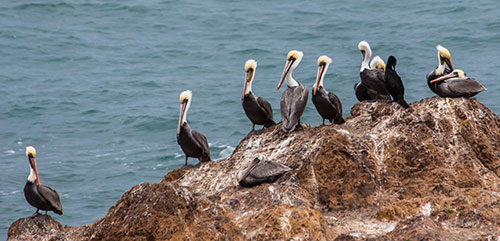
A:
<point x="429" y="172"/>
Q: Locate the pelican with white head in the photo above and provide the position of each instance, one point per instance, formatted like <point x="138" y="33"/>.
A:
<point x="294" y="98"/>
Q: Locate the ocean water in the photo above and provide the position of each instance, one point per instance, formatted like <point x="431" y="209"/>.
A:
<point x="94" y="85"/>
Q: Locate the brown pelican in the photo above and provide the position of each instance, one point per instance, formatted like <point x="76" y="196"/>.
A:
<point x="260" y="172"/>
<point x="257" y="109"/>
<point x="38" y="195"/>
<point x="377" y="63"/>
<point x="457" y="84"/>
<point x="193" y="143"/>
<point x="444" y="56"/>
<point x="294" y="99"/>
<point x="394" y="83"/>
<point x="327" y="103"/>
<point x="372" y="86"/>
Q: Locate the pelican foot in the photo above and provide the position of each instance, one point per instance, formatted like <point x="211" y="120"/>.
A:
<point x="36" y="214"/>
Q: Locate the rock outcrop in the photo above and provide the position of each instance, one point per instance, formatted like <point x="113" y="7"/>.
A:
<point x="431" y="172"/>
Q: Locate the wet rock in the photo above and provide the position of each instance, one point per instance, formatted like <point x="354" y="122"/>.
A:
<point x="428" y="172"/>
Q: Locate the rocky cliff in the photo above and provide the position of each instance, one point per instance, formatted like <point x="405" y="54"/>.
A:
<point x="431" y="172"/>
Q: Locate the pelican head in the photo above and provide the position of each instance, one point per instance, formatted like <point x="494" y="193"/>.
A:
<point x="323" y="63"/>
<point x="292" y="61"/>
<point x="444" y="56"/>
<point x="366" y="51"/>
<point x="456" y="73"/>
<point x="377" y="63"/>
<point x="250" y="67"/>
<point x="31" y="154"/>
<point x="185" y="100"/>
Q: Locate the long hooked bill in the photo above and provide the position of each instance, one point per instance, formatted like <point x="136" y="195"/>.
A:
<point x="319" y="75"/>
<point x="33" y="164"/>
<point x="448" y="62"/>
<point x="444" y="77"/>
<point x="181" y="115"/>
<point x="288" y="65"/>
<point x="248" y="75"/>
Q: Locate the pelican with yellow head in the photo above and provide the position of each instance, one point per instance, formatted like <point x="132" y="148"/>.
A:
<point x="257" y="109"/>
<point x="38" y="195"/>
<point x="193" y="143"/>
<point x="444" y="57"/>
<point x="327" y="103"/>
<point x="457" y="84"/>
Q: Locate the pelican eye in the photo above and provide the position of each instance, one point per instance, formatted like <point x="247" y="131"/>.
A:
<point x="292" y="58"/>
<point x="322" y="64"/>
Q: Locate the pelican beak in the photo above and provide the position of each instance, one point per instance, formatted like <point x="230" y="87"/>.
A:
<point x="250" y="169"/>
<point x="181" y="115"/>
<point x="319" y="75"/>
<point x="33" y="165"/>
<point x="248" y="76"/>
<point x="448" y="62"/>
<point x="444" y="77"/>
<point x="288" y="65"/>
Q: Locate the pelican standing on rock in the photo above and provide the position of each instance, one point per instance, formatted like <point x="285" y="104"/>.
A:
<point x="444" y="57"/>
<point x="38" y="195"/>
<point x="257" y="109"/>
<point x="327" y="103"/>
<point x="193" y="143"/>
<point x="372" y="86"/>
<point x="457" y="84"/>
<point x="394" y="83"/>
<point x="294" y="99"/>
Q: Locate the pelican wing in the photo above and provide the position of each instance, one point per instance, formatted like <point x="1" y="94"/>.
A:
<point x="51" y="196"/>
<point x="265" y="106"/>
<point x="374" y="79"/>
<point x="465" y="85"/>
<point x="201" y="140"/>
<point x="335" y="101"/>
<point x="293" y="102"/>
<point x="269" y="170"/>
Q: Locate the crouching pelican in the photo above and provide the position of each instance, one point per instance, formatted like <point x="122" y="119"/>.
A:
<point x="38" y="195"/>
<point x="372" y="86"/>
<point x="257" y="109"/>
<point x="294" y="99"/>
<point x="444" y="57"/>
<point x="457" y="84"/>
<point x="193" y="143"/>
<point x="394" y="83"/>
<point x="327" y="103"/>
<point x="260" y="172"/>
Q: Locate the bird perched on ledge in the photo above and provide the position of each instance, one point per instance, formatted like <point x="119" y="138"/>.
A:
<point x="372" y="86"/>
<point x="38" y="195"/>
<point x="193" y="143"/>
<point x="257" y="109"/>
<point x="327" y="103"/>
<point x="294" y="99"/>
<point x="450" y="82"/>
<point x="394" y="83"/>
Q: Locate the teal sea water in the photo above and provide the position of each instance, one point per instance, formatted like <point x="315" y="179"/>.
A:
<point x="94" y="85"/>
